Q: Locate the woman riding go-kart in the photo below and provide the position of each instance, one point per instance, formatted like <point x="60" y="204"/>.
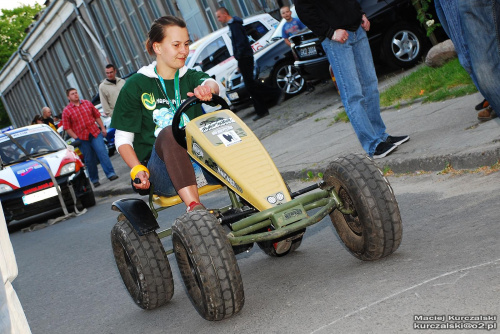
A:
<point x="144" y="111"/>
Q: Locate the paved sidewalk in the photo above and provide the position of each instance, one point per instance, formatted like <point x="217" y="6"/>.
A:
<point x="301" y="137"/>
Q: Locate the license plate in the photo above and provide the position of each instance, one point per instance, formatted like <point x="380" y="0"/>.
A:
<point x="39" y="196"/>
<point x="308" y="51"/>
<point x="233" y="96"/>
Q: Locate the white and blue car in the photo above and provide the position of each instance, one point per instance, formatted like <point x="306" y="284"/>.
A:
<point x="26" y="186"/>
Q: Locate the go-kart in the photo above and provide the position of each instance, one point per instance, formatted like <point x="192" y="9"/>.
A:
<point x="261" y="210"/>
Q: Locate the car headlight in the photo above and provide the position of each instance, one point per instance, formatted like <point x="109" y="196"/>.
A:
<point x="68" y="168"/>
<point x="4" y="188"/>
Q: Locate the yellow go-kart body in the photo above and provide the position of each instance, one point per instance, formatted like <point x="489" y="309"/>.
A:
<point x="226" y="146"/>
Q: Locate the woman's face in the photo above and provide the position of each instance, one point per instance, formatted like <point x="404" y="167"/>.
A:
<point x="174" y="48"/>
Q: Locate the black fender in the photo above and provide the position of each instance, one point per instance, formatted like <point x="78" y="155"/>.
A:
<point x="138" y="214"/>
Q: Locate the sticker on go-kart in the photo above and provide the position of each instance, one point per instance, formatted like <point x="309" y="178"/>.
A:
<point x="214" y="127"/>
<point x="222" y="173"/>
<point x="276" y="199"/>
<point x="198" y="151"/>
<point x="222" y="130"/>
<point x="210" y="163"/>
<point x="214" y="123"/>
<point x="229" y="138"/>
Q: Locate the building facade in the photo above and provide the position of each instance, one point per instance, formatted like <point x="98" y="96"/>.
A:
<point x="73" y="40"/>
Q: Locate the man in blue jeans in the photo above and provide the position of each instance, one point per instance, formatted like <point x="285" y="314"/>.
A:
<point x="79" y="121"/>
<point x="447" y="12"/>
<point x="342" y="25"/>
<point x="480" y="20"/>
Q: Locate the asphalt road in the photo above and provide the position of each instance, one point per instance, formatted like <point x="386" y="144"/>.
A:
<point x="448" y="264"/>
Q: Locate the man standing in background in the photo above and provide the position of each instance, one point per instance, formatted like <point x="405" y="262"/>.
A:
<point x="342" y="27"/>
<point x="292" y="27"/>
<point x="243" y="53"/>
<point x="47" y="118"/>
<point x="109" y="90"/>
<point x="79" y="121"/>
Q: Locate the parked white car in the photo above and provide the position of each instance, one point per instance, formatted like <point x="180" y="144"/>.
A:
<point x="213" y="54"/>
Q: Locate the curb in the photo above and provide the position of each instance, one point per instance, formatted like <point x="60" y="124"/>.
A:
<point x="397" y="165"/>
<point x="430" y="163"/>
<point x="403" y="104"/>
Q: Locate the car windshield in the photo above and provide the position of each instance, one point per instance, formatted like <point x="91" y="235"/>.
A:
<point x="35" y="141"/>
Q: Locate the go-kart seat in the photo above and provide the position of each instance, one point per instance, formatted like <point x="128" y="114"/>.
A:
<point x="165" y="201"/>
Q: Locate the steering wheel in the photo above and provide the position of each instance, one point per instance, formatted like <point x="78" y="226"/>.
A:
<point x="180" y="133"/>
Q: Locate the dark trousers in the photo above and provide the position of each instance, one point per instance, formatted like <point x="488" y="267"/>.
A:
<point x="261" y="94"/>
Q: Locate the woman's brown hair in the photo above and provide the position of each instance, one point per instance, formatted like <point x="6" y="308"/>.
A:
<point x="156" y="33"/>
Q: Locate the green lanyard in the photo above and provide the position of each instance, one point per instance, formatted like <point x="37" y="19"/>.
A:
<point x="177" y="91"/>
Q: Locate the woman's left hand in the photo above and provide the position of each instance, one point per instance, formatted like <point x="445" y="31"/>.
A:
<point x="203" y="92"/>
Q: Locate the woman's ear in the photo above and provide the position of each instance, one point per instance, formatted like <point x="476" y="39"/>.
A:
<point x="156" y="47"/>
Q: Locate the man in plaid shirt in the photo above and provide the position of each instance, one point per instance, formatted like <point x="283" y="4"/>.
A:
<point x="79" y="121"/>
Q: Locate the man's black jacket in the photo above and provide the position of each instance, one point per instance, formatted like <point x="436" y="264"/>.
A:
<point x="323" y="17"/>
<point x="239" y="38"/>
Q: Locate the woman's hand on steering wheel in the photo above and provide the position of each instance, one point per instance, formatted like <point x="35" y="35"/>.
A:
<point x="143" y="177"/>
<point x="202" y="92"/>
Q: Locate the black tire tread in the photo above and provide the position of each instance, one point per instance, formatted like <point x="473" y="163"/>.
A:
<point x="88" y="200"/>
<point x="150" y="261"/>
<point x="199" y="238"/>
<point x="375" y="203"/>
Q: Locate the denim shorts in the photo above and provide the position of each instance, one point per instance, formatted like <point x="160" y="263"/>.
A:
<point x="162" y="183"/>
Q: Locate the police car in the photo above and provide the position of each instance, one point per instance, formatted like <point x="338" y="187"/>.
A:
<point x="35" y="162"/>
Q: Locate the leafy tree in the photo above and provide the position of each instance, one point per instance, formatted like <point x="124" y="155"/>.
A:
<point x="13" y="24"/>
<point x="425" y="18"/>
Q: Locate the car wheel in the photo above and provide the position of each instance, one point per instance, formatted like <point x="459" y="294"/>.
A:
<point x="403" y="45"/>
<point x="288" y="78"/>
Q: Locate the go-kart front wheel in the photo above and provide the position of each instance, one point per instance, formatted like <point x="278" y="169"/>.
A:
<point x="207" y="265"/>
<point x="143" y="265"/>
<point x="374" y="230"/>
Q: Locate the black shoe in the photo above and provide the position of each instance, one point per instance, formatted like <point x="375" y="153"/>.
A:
<point x="281" y="98"/>
<point x="96" y="184"/>
<point x="260" y="116"/>
<point x="383" y="149"/>
<point x="482" y="105"/>
<point x="398" y="140"/>
<point x="114" y="177"/>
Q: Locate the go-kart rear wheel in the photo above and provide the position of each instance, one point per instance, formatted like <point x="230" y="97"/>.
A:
<point x="208" y="266"/>
<point x="374" y="230"/>
<point x="283" y="246"/>
<point x="143" y="265"/>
